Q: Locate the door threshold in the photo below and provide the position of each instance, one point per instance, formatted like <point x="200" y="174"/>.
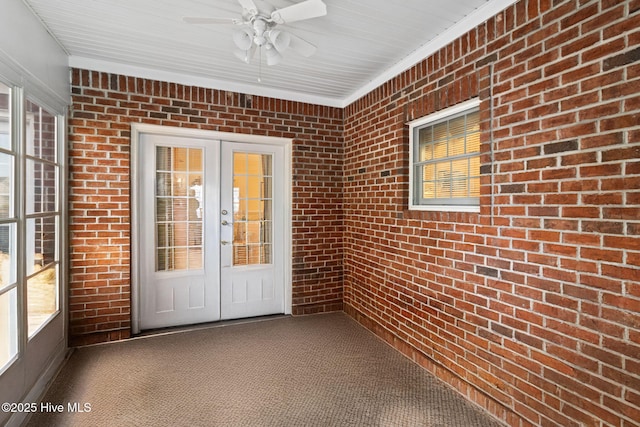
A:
<point x="207" y="325"/>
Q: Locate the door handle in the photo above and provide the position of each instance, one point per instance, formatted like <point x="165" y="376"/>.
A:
<point x="225" y="242"/>
<point x="225" y="222"/>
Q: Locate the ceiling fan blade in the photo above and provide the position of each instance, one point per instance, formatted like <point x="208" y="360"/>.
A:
<point x="197" y="20"/>
<point x="301" y="46"/>
<point x="305" y="10"/>
<point x="249" y="6"/>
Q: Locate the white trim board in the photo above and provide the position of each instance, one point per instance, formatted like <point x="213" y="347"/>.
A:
<point x="191" y="80"/>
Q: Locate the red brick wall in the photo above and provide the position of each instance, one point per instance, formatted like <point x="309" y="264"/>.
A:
<point x="103" y="107"/>
<point x="530" y="308"/>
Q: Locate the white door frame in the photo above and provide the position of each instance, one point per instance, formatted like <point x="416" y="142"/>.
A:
<point x="140" y="128"/>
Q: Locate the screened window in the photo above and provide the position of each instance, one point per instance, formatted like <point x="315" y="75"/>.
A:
<point x="445" y="160"/>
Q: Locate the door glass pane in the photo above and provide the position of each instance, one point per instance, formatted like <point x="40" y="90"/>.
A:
<point x="195" y="257"/>
<point x="8" y="327"/>
<point x="163" y="183"/>
<point x="180" y="159"/>
<point x="162" y="258"/>
<point x="42" y="298"/>
<point x="180" y="237"/>
<point x="252" y="208"/>
<point x="179" y="208"/>
<point x="41" y="132"/>
<point x="180" y="187"/>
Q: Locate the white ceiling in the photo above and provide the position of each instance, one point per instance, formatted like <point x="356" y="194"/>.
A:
<point x="361" y="43"/>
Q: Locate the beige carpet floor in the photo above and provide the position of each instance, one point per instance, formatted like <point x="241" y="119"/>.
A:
<point x="320" y="370"/>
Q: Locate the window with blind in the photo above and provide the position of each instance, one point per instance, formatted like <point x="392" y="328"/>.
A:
<point x="445" y="160"/>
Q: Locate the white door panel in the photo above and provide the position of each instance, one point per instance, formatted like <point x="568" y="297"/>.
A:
<point x="252" y="282"/>
<point x="178" y="235"/>
<point x="251" y="292"/>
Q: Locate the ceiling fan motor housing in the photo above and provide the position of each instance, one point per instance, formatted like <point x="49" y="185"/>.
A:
<point x="260" y="26"/>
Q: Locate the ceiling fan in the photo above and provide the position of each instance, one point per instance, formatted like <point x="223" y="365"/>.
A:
<point x="260" y="29"/>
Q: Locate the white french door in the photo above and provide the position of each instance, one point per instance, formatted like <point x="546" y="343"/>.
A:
<point x="211" y="225"/>
<point x="179" y="251"/>
<point x="252" y="230"/>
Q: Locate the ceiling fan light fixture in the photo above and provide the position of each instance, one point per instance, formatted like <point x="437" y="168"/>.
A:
<point x="273" y="57"/>
<point x="243" y="38"/>
<point x="279" y="39"/>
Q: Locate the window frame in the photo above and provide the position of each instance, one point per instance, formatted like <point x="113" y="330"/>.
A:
<point x="12" y="289"/>
<point x="29" y="162"/>
<point x="414" y="127"/>
<point x="21" y="132"/>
